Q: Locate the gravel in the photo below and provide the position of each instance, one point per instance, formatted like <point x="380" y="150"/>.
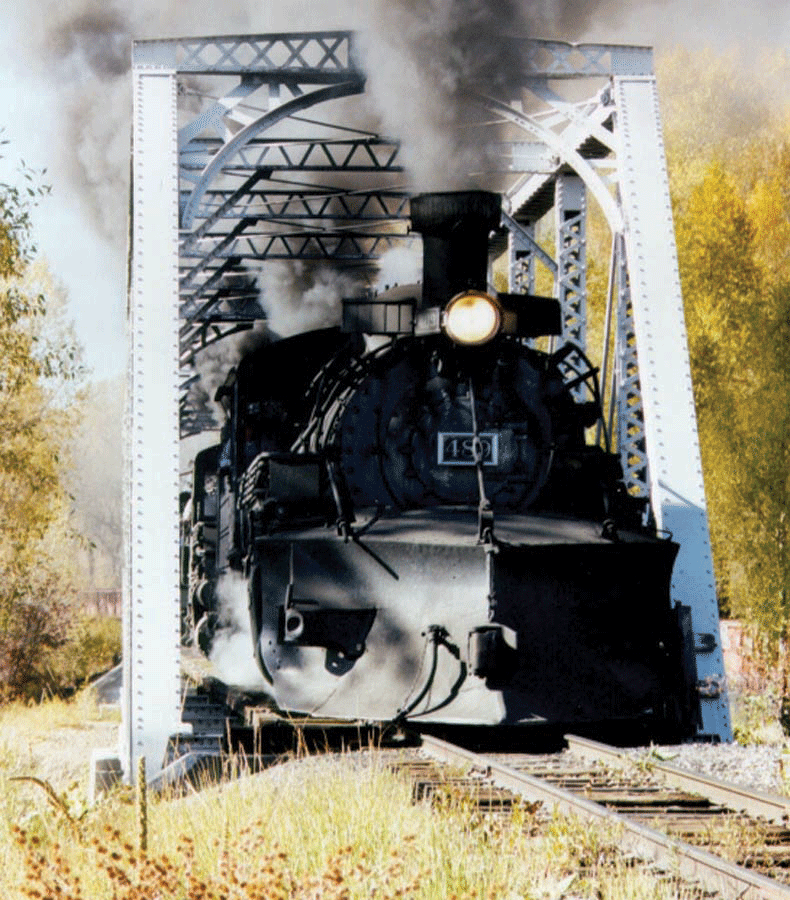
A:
<point x="759" y="766"/>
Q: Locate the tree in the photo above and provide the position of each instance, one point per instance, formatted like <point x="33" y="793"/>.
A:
<point x="39" y="371"/>
<point x="96" y="481"/>
<point x="733" y="231"/>
<point x="721" y="289"/>
<point x="766" y="418"/>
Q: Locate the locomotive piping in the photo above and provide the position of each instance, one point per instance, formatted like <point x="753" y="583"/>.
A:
<point x="437" y="635"/>
<point x="485" y="513"/>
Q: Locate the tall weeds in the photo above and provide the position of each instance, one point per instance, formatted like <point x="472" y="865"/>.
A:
<point x="335" y="828"/>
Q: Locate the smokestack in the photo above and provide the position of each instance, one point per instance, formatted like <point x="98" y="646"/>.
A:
<point x="455" y="228"/>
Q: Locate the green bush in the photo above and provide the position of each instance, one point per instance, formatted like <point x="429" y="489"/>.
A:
<point x="92" y="646"/>
<point x="85" y="646"/>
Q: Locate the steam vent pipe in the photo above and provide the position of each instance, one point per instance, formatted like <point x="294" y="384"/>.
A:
<point x="455" y="228"/>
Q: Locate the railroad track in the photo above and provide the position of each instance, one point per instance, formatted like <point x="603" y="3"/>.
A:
<point x="669" y="818"/>
<point x="732" y="842"/>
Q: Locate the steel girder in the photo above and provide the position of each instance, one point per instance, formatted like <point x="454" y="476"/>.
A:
<point x="245" y="154"/>
<point x="521" y="249"/>
<point x="571" y="240"/>
<point x="309" y="58"/>
<point x="677" y="490"/>
<point x="151" y="696"/>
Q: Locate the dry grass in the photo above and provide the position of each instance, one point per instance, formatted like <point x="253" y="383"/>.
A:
<point x="52" y="741"/>
<point x="313" y="828"/>
<point x="756" y="714"/>
<point x="38" y="719"/>
<point x="331" y="831"/>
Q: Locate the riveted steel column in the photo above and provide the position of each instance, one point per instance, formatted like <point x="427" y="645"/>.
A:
<point x="571" y="214"/>
<point x="151" y="695"/>
<point x="522" y="262"/>
<point x="676" y="485"/>
<point x="630" y="414"/>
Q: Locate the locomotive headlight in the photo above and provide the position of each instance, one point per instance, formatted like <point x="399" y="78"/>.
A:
<point x="472" y="318"/>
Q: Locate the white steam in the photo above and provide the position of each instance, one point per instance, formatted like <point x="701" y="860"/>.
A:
<point x="401" y="265"/>
<point x="233" y="645"/>
<point x="299" y="296"/>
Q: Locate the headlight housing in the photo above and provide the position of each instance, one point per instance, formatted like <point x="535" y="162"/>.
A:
<point x="472" y="318"/>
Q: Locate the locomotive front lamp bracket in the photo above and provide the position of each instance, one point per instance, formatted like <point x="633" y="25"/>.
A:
<point x="521" y="315"/>
<point x="467" y="315"/>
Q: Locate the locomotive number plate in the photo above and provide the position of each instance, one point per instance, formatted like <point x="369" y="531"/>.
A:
<point x="456" y="448"/>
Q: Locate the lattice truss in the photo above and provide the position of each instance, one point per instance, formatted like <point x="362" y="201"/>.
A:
<point x="276" y="165"/>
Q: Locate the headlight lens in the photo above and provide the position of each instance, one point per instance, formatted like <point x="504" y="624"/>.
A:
<point x="472" y="318"/>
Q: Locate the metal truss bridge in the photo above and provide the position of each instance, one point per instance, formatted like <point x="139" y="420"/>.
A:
<point x="250" y="149"/>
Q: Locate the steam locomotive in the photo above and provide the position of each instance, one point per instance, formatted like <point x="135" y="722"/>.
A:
<point x="424" y="529"/>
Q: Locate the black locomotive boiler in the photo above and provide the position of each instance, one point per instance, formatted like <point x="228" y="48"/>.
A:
<point x="425" y="531"/>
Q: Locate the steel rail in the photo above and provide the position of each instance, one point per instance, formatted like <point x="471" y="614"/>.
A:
<point x="741" y="799"/>
<point x="690" y="863"/>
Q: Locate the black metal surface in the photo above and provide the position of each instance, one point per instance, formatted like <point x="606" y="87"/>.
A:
<point x="574" y="660"/>
<point x="455" y="229"/>
<point x="580" y="656"/>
